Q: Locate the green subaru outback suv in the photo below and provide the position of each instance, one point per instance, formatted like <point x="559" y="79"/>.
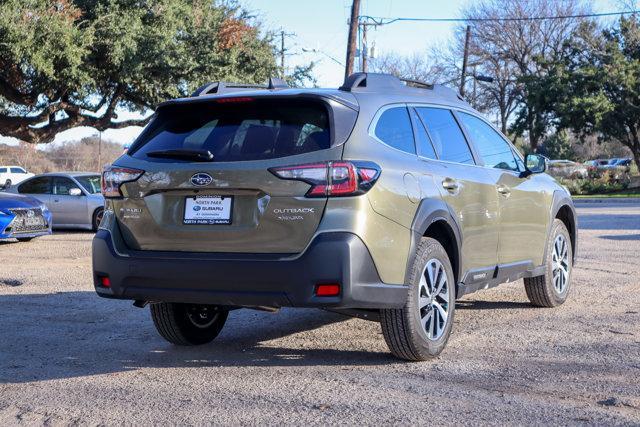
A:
<point x="382" y="199"/>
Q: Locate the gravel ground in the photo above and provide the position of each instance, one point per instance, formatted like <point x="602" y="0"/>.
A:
<point x="69" y="357"/>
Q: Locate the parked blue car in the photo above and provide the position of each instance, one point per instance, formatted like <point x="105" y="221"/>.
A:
<point x="23" y="217"/>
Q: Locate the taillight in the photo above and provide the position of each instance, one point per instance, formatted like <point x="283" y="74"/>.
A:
<point x="113" y="177"/>
<point x="333" y="179"/>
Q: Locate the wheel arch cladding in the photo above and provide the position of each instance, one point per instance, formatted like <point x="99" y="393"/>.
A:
<point x="567" y="216"/>
<point x="433" y="219"/>
<point x="441" y="231"/>
<point x="563" y="210"/>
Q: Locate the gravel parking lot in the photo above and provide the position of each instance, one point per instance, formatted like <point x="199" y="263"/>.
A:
<point x="69" y="357"/>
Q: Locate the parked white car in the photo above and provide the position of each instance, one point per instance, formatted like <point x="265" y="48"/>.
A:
<point x="11" y="175"/>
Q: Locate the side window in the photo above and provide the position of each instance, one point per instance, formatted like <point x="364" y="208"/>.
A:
<point x="446" y="135"/>
<point x="41" y="185"/>
<point x="494" y="150"/>
<point x="3" y="170"/>
<point x="394" y="129"/>
<point x="423" y="141"/>
<point x="61" y="186"/>
<point x="17" y="170"/>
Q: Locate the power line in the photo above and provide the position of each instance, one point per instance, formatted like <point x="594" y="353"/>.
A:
<point x="377" y="20"/>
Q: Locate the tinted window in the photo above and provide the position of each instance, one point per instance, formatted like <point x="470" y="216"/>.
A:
<point x="234" y="131"/>
<point x="40" y="185"/>
<point x="61" y="186"/>
<point x="17" y="170"/>
<point x="425" y="146"/>
<point x="446" y="135"/>
<point x="394" y="129"/>
<point x="91" y="183"/>
<point x="3" y="170"/>
<point x="493" y="149"/>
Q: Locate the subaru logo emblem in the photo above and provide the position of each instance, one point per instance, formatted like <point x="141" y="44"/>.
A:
<point x="201" y="179"/>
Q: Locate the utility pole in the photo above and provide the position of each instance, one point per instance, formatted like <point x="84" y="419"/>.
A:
<point x="283" y="51"/>
<point x="464" y="59"/>
<point x="475" y="86"/>
<point x="351" y="40"/>
<point x="364" y="47"/>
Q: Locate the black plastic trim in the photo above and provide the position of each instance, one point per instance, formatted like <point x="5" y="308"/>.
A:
<point x="256" y="281"/>
<point x="430" y="211"/>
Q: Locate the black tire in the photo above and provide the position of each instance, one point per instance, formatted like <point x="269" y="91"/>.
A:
<point x="541" y="290"/>
<point x="25" y="239"/>
<point x="97" y="217"/>
<point x="183" y="324"/>
<point x="402" y="328"/>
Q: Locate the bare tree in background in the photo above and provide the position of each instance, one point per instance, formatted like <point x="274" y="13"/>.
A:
<point x="510" y="51"/>
<point x="413" y="67"/>
<point x="507" y="51"/>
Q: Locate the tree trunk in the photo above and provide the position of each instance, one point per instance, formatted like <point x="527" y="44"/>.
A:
<point x="533" y="137"/>
<point x="634" y="145"/>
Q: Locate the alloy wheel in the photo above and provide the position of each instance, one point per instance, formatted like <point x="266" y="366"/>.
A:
<point x="433" y="299"/>
<point x="561" y="264"/>
<point x="99" y="216"/>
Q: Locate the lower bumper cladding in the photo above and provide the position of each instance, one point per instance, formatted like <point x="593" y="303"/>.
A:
<point x="335" y="271"/>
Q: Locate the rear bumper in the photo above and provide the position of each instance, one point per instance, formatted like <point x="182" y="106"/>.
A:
<point x="245" y="279"/>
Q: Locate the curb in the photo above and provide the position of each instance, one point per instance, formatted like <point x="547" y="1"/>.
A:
<point x="607" y="200"/>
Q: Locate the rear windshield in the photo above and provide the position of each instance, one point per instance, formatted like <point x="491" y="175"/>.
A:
<point x="234" y="131"/>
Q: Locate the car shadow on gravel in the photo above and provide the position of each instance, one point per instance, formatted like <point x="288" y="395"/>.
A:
<point x="621" y="237"/>
<point x="74" y="334"/>
<point x="492" y="305"/>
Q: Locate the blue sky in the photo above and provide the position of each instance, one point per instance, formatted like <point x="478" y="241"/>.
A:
<point x="322" y="26"/>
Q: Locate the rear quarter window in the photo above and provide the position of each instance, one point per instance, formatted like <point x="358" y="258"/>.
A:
<point x="394" y="129"/>
<point x="252" y="130"/>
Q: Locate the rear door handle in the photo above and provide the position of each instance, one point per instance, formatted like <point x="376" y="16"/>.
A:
<point x="450" y="184"/>
<point x="504" y="190"/>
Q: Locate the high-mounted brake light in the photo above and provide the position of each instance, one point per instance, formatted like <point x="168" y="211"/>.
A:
<point x="332" y="179"/>
<point x="234" y="100"/>
<point x="113" y="177"/>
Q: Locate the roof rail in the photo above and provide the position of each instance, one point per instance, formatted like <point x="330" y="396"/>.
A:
<point x="227" y="87"/>
<point x="371" y="81"/>
<point x="376" y="82"/>
<point x="418" y="84"/>
<point x="379" y="81"/>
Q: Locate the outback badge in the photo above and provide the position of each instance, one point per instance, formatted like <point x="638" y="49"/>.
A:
<point x="201" y="179"/>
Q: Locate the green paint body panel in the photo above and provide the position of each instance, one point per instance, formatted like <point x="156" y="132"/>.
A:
<point x="273" y="216"/>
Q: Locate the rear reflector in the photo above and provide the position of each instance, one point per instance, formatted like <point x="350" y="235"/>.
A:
<point x="328" y="290"/>
<point x="332" y="179"/>
<point x="105" y="282"/>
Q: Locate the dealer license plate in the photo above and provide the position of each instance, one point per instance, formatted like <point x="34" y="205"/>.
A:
<point x="208" y="210"/>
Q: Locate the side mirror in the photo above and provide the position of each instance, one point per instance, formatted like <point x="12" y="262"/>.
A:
<point x="534" y="163"/>
<point x="75" y="192"/>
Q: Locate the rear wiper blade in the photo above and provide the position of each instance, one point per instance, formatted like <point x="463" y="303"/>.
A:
<point x="194" y="155"/>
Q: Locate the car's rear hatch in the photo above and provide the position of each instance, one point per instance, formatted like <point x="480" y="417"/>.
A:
<point x="188" y="201"/>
